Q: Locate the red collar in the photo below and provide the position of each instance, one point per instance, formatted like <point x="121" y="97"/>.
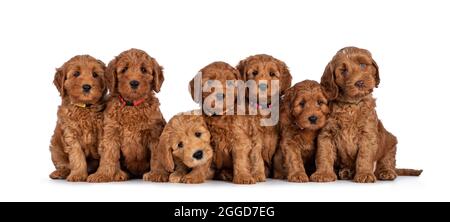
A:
<point x="130" y="103"/>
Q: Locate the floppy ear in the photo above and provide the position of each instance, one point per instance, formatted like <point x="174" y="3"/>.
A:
<point x="102" y="64"/>
<point x="377" y="73"/>
<point x="165" y="152"/>
<point x="58" y="81"/>
<point x="285" y="76"/>
<point x="285" y="110"/>
<point x="328" y="82"/>
<point x="196" y="94"/>
<point x="111" y="77"/>
<point x="242" y="68"/>
<point x="158" y="76"/>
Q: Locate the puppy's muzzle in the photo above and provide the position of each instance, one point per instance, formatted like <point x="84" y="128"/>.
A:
<point x="198" y="155"/>
<point x="134" y="84"/>
<point x="313" y="119"/>
<point x="86" y="88"/>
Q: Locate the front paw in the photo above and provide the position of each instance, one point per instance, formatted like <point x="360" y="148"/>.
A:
<point x="387" y="175"/>
<point x="77" y="177"/>
<point x="192" y="179"/>
<point x="260" y="178"/>
<point x="100" y="178"/>
<point x="243" y="179"/>
<point x="156" y="177"/>
<point x="298" y="177"/>
<point x="323" y="177"/>
<point x="175" y="177"/>
<point x="60" y="174"/>
<point x="346" y="174"/>
<point x="364" y="178"/>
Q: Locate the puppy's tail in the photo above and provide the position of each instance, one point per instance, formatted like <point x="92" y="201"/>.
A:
<point x="408" y="172"/>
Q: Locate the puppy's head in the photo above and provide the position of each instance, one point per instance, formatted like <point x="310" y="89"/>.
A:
<point x="133" y="74"/>
<point x="307" y="105"/>
<point x="186" y="138"/>
<point x="262" y="69"/>
<point x="81" y="79"/>
<point x="216" y="78"/>
<point x="351" y="74"/>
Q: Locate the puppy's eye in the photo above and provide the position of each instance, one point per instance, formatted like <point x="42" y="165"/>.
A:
<point x="180" y="145"/>
<point x="344" y="72"/>
<point x="94" y="74"/>
<point x="124" y="70"/>
<point x="76" y="74"/>
<point x="320" y="102"/>
<point x="143" y="70"/>
<point x="302" y="104"/>
<point x="272" y="74"/>
<point x="255" y="73"/>
<point x="362" y="66"/>
<point x="198" y="134"/>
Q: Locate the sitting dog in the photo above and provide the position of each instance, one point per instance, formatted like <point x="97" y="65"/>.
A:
<point x="184" y="147"/>
<point x="74" y="145"/>
<point x="132" y="119"/>
<point x="303" y="113"/>
<point x="235" y="140"/>
<point x="263" y="69"/>
<point x="354" y="139"/>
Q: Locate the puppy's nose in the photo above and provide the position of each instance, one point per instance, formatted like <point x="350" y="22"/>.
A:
<point x="134" y="84"/>
<point x="313" y="119"/>
<point x="198" y="155"/>
<point x="220" y="96"/>
<point x="86" y="87"/>
<point x="263" y="86"/>
<point x="359" y="84"/>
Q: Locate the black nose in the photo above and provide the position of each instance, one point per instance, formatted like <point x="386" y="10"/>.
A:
<point x="134" y="84"/>
<point x="198" y="155"/>
<point x="359" y="84"/>
<point x="263" y="86"/>
<point x="312" y="119"/>
<point x="220" y="96"/>
<point x="86" y="87"/>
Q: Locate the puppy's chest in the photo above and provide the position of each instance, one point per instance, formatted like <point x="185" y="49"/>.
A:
<point x="86" y="123"/>
<point x="138" y="118"/>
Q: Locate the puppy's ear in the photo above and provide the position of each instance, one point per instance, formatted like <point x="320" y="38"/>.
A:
<point x="165" y="152"/>
<point x="58" y="81"/>
<point x="377" y="73"/>
<point x="328" y="82"/>
<point x="158" y="76"/>
<point x="285" y="76"/>
<point x="285" y="106"/>
<point x="242" y="68"/>
<point x="196" y="92"/>
<point x="111" y="76"/>
<point x="105" y="89"/>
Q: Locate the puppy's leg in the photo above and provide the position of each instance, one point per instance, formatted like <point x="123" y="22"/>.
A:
<point x="178" y="175"/>
<point x="278" y="165"/>
<point x="157" y="172"/>
<point x="109" y="169"/>
<point x="197" y="174"/>
<point x="77" y="159"/>
<point x="257" y="161"/>
<point x="365" y="159"/>
<point x="294" y="162"/>
<point x="59" y="158"/>
<point x="325" y="158"/>
<point x="385" y="169"/>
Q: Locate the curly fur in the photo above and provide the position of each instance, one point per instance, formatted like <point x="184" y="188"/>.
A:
<point x="303" y="113"/>
<point x="79" y="126"/>
<point x="130" y="132"/>
<point x="354" y="139"/>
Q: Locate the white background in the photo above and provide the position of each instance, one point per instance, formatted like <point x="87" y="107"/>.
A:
<point x="409" y="40"/>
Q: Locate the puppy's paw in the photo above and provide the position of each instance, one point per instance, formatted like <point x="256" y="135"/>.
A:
<point x="323" y="177"/>
<point x="192" y="179"/>
<point x="121" y="176"/>
<point x="77" y="177"/>
<point x="176" y="177"/>
<point x="225" y="175"/>
<point x="243" y="179"/>
<point x="260" y="178"/>
<point x="364" y="178"/>
<point x="298" y="177"/>
<point x="346" y="174"/>
<point x="156" y="177"/>
<point x="60" y="174"/>
<point x="100" y="178"/>
<point x="387" y="175"/>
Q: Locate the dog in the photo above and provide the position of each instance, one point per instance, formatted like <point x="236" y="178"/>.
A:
<point x="74" y="145"/>
<point x="235" y="140"/>
<point x="354" y="139"/>
<point x="184" y="151"/>
<point x="304" y="111"/>
<point x="263" y="69"/>
<point x="132" y="119"/>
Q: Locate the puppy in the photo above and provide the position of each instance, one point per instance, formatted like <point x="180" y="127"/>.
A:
<point x="81" y="84"/>
<point x="354" y="139"/>
<point x="263" y="69"/>
<point x="303" y="113"/>
<point x="236" y="143"/>
<point x="184" y="146"/>
<point x="132" y="119"/>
